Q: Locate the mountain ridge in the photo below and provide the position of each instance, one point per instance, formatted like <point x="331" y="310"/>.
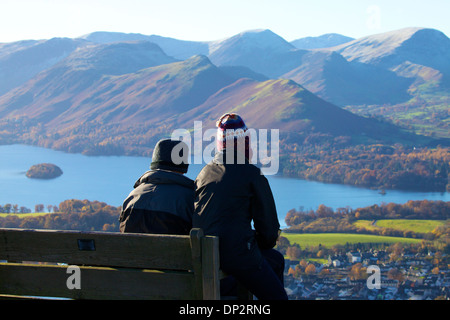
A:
<point x="123" y="110"/>
<point x="21" y="61"/>
<point x="135" y="89"/>
<point x="327" y="40"/>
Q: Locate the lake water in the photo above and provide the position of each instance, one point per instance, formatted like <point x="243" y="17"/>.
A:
<point x="111" y="178"/>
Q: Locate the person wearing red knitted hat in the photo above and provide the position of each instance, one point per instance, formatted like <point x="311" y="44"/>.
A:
<point x="231" y="195"/>
<point x="231" y="127"/>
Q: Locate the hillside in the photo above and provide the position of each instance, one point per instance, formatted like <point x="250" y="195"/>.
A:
<point x="151" y="95"/>
<point x="285" y="105"/>
<point x="329" y="75"/>
<point x="20" y="61"/>
<point x="54" y="91"/>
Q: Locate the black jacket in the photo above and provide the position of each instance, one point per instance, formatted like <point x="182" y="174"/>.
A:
<point x="162" y="202"/>
<point x="228" y="198"/>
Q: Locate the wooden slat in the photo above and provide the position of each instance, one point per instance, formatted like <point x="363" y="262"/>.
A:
<point x="196" y="254"/>
<point x="111" y="249"/>
<point x="210" y="268"/>
<point x="182" y="267"/>
<point x="96" y="282"/>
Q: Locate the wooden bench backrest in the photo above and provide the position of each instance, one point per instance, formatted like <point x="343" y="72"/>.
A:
<point x="112" y="265"/>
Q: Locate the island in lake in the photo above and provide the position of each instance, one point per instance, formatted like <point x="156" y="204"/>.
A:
<point x="44" y="171"/>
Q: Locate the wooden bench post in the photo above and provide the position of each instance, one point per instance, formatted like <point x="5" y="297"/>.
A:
<point x="211" y="265"/>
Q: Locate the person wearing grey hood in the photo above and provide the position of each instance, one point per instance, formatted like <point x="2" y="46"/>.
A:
<point x="162" y="201"/>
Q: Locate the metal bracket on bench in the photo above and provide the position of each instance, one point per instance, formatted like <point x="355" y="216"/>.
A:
<point x="86" y="244"/>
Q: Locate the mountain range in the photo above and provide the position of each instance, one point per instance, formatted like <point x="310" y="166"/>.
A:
<point x="115" y="89"/>
<point x="399" y="58"/>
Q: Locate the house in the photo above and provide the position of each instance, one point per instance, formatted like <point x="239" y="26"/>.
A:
<point x="337" y="261"/>
<point x="354" y="257"/>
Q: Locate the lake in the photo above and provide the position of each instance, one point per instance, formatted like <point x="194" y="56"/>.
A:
<point x="110" y="178"/>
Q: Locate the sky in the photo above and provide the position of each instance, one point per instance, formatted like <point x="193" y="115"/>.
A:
<point x="208" y="20"/>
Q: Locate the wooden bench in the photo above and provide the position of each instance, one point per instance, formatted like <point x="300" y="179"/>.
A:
<point x="105" y="265"/>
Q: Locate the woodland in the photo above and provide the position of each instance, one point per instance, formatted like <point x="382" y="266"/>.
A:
<point x="372" y="166"/>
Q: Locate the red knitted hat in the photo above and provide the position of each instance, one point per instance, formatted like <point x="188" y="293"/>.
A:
<point x="230" y="126"/>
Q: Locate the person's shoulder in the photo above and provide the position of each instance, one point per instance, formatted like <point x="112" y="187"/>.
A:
<point x="249" y="170"/>
<point x="255" y="170"/>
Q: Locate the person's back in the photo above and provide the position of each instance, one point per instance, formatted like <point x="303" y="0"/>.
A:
<point x="230" y="194"/>
<point x="229" y="197"/>
<point x="162" y="200"/>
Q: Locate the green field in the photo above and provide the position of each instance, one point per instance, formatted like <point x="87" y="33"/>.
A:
<point x="418" y="226"/>
<point x="331" y="239"/>
<point x="25" y="215"/>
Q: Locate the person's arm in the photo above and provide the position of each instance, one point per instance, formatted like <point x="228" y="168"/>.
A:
<point x="264" y="212"/>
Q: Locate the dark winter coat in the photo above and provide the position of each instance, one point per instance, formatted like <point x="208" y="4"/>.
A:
<point x="228" y="198"/>
<point x="162" y="202"/>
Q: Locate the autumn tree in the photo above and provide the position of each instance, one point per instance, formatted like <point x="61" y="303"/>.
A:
<point x="435" y="270"/>
<point x="303" y="263"/>
<point x="324" y="272"/>
<point x="294" y="252"/>
<point x="310" y="269"/>
<point x="395" y="274"/>
<point x="357" y="272"/>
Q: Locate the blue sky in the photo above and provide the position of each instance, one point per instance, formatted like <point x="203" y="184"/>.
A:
<point x="213" y="19"/>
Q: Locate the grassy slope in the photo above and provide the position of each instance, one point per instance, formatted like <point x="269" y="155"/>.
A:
<point x="420" y="226"/>
<point x="25" y="215"/>
<point x="427" y="112"/>
<point x="331" y="239"/>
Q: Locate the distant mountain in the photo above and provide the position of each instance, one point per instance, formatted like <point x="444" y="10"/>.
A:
<point x="380" y="69"/>
<point x="54" y="91"/>
<point x="117" y="58"/>
<point x="22" y="60"/>
<point x="151" y="95"/>
<point x="411" y="52"/>
<point x="179" y="49"/>
<point x="260" y="50"/>
<point x="406" y="52"/>
<point x="329" y="75"/>
<point x="88" y="89"/>
<point x="106" y="37"/>
<point x="423" y="57"/>
<point x="324" y="41"/>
